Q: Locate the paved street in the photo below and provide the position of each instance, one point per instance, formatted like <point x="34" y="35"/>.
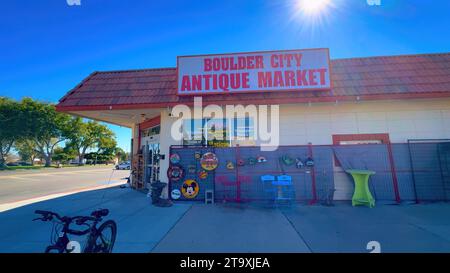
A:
<point x="28" y="184"/>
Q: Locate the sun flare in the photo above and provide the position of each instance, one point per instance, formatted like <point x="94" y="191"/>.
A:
<point x="312" y="6"/>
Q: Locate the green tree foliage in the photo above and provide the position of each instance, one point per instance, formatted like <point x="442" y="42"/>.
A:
<point x="27" y="150"/>
<point x="10" y="127"/>
<point x="89" y="135"/>
<point x="36" y="129"/>
<point x="64" y="155"/>
<point x="120" y="154"/>
<point x="46" y="127"/>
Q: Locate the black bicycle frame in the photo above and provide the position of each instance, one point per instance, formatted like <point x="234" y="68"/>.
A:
<point x="63" y="238"/>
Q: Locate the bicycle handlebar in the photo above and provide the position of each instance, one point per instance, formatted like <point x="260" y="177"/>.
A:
<point x="48" y="215"/>
<point x="79" y="220"/>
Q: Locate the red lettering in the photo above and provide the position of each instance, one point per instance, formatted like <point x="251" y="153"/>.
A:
<point x="241" y="62"/>
<point x="245" y="80"/>
<point x="273" y="62"/>
<point x="216" y="64"/>
<point x="235" y="81"/>
<point x="264" y="79"/>
<point x="289" y="78"/>
<point x="196" y="83"/>
<point x="278" y="79"/>
<point x="225" y="64"/>
<point x="288" y="59"/>
<point x="298" y="59"/>
<point x="250" y="60"/>
<point x="259" y="62"/>
<point x="224" y="82"/>
<point x="322" y="72"/>
<point x="207" y="78"/>
<point x="214" y="82"/>
<point x="312" y="77"/>
<point x="301" y="78"/>
<point x="207" y="64"/>
<point x="185" y="84"/>
<point x="280" y="59"/>
<point x="233" y="65"/>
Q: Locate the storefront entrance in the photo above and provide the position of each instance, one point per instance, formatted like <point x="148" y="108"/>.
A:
<point x="151" y="159"/>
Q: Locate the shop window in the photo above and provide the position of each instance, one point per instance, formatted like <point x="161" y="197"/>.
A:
<point x="151" y="131"/>
<point x="219" y="132"/>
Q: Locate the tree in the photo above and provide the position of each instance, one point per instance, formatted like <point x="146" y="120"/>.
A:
<point x="88" y="135"/>
<point x="27" y="150"/>
<point x="10" y="127"/>
<point x="45" y="127"/>
<point x="120" y="154"/>
<point x="64" y="155"/>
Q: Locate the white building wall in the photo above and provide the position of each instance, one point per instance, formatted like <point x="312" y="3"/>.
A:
<point x="166" y="141"/>
<point x="403" y="120"/>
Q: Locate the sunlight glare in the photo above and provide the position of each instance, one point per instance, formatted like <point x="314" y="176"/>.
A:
<point x="312" y="6"/>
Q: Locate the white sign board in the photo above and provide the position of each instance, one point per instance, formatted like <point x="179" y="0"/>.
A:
<point x="274" y="71"/>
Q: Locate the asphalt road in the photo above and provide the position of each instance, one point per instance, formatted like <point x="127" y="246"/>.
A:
<point x="28" y="184"/>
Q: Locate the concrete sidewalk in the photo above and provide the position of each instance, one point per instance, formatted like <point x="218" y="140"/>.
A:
<point x="232" y="228"/>
<point x="195" y="227"/>
<point x="341" y="228"/>
<point x="140" y="225"/>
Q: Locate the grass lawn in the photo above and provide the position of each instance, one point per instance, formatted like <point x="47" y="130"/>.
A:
<point x="37" y="167"/>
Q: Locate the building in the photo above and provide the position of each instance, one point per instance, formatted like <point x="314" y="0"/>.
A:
<point x="392" y="110"/>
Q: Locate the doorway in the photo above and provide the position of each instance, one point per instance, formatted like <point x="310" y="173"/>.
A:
<point x="151" y="161"/>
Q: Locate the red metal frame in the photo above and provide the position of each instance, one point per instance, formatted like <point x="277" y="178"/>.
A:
<point x="385" y="140"/>
<point x="313" y="177"/>
<point x="238" y="181"/>
<point x="147" y="124"/>
<point x="150" y="123"/>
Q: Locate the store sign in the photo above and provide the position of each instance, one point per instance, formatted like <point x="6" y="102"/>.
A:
<point x="289" y="70"/>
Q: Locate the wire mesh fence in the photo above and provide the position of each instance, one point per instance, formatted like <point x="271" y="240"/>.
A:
<point x="414" y="171"/>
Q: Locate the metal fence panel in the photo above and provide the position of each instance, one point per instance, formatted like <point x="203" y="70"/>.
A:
<point x="420" y="171"/>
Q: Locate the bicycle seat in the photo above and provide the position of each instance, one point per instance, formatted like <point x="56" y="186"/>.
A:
<point x="100" y="213"/>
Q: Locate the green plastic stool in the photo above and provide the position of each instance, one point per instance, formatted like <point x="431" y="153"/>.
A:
<point x="362" y="195"/>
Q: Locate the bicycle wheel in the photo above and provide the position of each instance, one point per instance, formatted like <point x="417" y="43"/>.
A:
<point x="105" y="238"/>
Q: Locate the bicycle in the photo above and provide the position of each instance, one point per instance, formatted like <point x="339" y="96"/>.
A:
<point x="97" y="241"/>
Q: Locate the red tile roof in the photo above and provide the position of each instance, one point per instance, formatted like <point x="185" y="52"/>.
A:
<point x="372" y="78"/>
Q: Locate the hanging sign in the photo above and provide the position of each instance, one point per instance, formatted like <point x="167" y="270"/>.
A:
<point x="286" y="70"/>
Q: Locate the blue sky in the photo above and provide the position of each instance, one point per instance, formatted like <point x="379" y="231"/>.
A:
<point x="47" y="46"/>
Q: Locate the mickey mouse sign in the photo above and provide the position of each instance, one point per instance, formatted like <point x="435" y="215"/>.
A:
<point x="190" y="189"/>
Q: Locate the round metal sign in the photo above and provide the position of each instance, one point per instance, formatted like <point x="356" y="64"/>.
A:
<point x="209" y="161"/>
<point x="176" y="194"/>
<point x="174" y="158"/>
<point x="175" y="173"/>
<point x="190" y="189"/>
